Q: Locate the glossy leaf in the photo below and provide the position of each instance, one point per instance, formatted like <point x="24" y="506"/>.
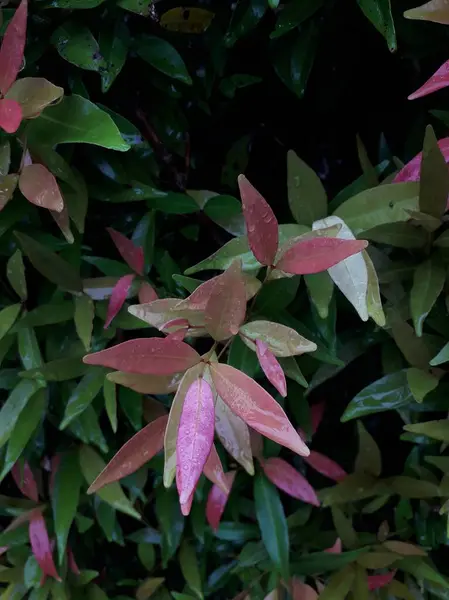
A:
<point x="25" y="481"/>
<point x="319" y="254"/>
<point x="379" y="13"/>
<point x="14" y="406"/>
<point x="114" y="49"/>
<point x="137" y="451"/>
<point x="428" y="282"/>
<point x="195" y="436"/>
<point x="272" y="523"/>
<point x="82" y="396"/>
<point x="131" y="254"/>
<point x="40" y="187"/>
<point x="217" y="500"/>
<point x="289" y="480"/>
<point x="434" y="177"/>
<point x="325" y="465"/>
<point x="233" y="433"/>
<point x="306" y="195"/>
<point x="118" y="297"/>
<point x="162" y="56"/>
<point x="248" y="400"/>
<point x="65" y="495"/>
<point x="147" y="356"/>
<point x="10" y="115"/>
<point x="33" y="94"/>
<point x="83" y="318"/>
<point x="50" y="265"/>
<point x="438" y="81"/>
<point x="281" y="340"/>
<point x="261" y="224"/>
<point x="76" y="44"/>
<point x="12" y="47"/>
<point x="226" y="308"/>
<point x="8" y="316"/>
<point x="91" y="466"/>
<point x="436" y="11"/>
<point x="271" y="367"/>
<point x="40" y="544"/>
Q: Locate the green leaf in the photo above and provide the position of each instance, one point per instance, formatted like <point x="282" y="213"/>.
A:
<point x="62" y="369"/>
<point x="110" y="402"/>
<point x="276" y="295"/>
<point x="83" y="395"/>
<point x="87" y="429"/>
<point x="434" y="177"/>
<point x="388" y="393"/>
<point x="162" y="56"/>
<point x="171" y="522"/>
<point x="369" y="459"/>
<point x="140" y="7"/>
<point x="226" y="211"/>
<point x="147" y="555"/>
<point x="356" y="486"/>
<point x="373" y="299"/>
<point x="378" y="206"/>
<point x="29" y="351"/>
<point x="131" y="404"/>
<point x="408" y="487"/>
<point x="320" y="288"/>
<point x="428" y="282"/>
<point x="64" y="498"/>
<point x="320" y="562"/>
<point x="339" y="585"/>
<point x="190" y="569"/>
<point x="244" y="20"/>
<point x="114" y="49"/>
<point x="76" y="120"/>
<point x="84" y="318"/>
<point x="173" y="203"/>
<point x="306" y="195"/>
<point x="438" y="430"/>
<point x="50" y="265"/>
<point x="46" y="314"/>
<point x="379" y="13"/>
<point x="76" y="44"/>
<point x="91" y="466"/>
<point x="13" y="407"/>
<point x="400" y="235"/>
<point x="293" y="14"/>
<point x="8" y="317"/>
<point x="15" y="271"/>
<point x="272" y="522"/>
<point x="420" y="383"/>
<point x="242" y="358"/>
<point x="421" y="569"/>
<point x="441" y="357"/>
<point x="26" y="424"/>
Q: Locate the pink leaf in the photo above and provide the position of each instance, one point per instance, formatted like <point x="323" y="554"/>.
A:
<point x="438" y="81"/>
<point x="213" y="470"/>
<point x="40" y="544"/>
<point x="376" y="582"/>
<point x="174" y="325"/>
<point x="195" y="437"/>
<point x="302" y="591"/>
<point x="249" y="401"/>
<point x="271" y="367"/>
<point x="131" y="254"/>
<point x="179" y="334"/>
<point x="72" y="563"/>
<point x="12" y="48"/>
<point x="412" y="170"/>
<point x="24" y="479"/>
<point x="40" y="187"/>
<point x="118" y="297"/>
<point x="187" y="505"/>
<point x="325" y="465"/>
<point x="137" y="451"/>
<point x="10" y="115"/>
<point x="289" y="480"/>
<point x="314" y="255"/>
<point x="147" y="293"/>
<point x="147" y="356"/>
<point x="216" y="501"/>
<point x="261" y="224"/>
<point x="199" y="298"/>
<point x="226" y="308"/>
<point x="336" y="548"/>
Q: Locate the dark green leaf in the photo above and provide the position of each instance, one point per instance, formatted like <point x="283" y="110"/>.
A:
<point x="162" y="56"/>
<point x="46" y="314"/>
<point x="171" y="522"/>
<point x="114" y="49"/>
<point x="428" y="282"/>
<point x="293" y="14"/>
<point x="7" y="318"/>
<point x="379" y="13"/>
<point x="15" y="272"/>
<point x="62" y="369"/>
<point x="14" y="406"/>
<point x="76" y="44"/>
<point x="190" y="569"/>
<point x="434" y="177"/>
<point x="82" y="396"/>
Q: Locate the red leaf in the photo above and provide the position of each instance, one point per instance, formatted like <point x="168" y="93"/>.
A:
<point x="71" y="562"/>
<point x="412" y="170"/>
<point x="147" y="293"/>
<point x="131" y="254"/>
<point x="118" y="297"/>
<point x="147" y="356"/>
<point x="336" y="548"/>
<point x="199" y="298"/>
<point x="216" y="501"/>
<point x="379" y="581"/>
<point x="438" y="81"/>
<point x="289" y="480"/>
<point x="316" y="414"/>
<point x="40" y="544"/>
<point x="261" y="224"/>
<point x="248" y="400"/>
<point x="213" y="470"/>
<point x="271" y="367"/>
<point x="40" y="187"/>
<point x="24" y="479"/>
<point x="137" y="451"/>
<point x="12" y="48"/>
<point x="195" y="437"/>
<point x="314" y="255"/>
<point x="10" y="115"/>
<point x="325" y="465"/>
<point x="226" y="308"/>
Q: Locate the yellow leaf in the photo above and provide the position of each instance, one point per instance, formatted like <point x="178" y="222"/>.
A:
<point x="435" y="10"/>
<point x="187" y="19"/>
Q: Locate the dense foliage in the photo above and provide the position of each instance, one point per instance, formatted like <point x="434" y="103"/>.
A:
<point x="206" y="392"/>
